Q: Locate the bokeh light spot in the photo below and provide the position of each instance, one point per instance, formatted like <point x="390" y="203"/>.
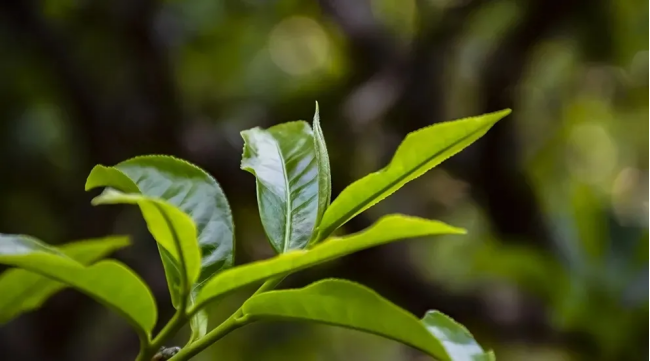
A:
<point x="298" y="45"/>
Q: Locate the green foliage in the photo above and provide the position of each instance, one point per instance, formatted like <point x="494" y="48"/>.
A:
<point x="182" y="205"/>
<point x="347" y="304"/>
<point x="190" y="219"/>
<point x="23" y="291"/>
<point x="388" y="229"/>
<point x="324" y="172"/>
<point x="283" y="158"/>
<point x="109" y="282"/>
<point x="420" y="151"/>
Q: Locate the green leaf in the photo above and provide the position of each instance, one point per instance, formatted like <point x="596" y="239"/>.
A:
<point x="185" y="186"/>
<point x="350" y="305"/>
<point x="283" y="159"/>
<point x="387" y="229"/>
<point x="199" y="325"/>
<point x="174" y="231"/>
<point x="419" y="152"/>
<point x="109" y="282"/>
<point x="194" y="192"/>
<point x="324" y="172"/>
<point x="456" y="339"/>
<point x="24" y="291"/>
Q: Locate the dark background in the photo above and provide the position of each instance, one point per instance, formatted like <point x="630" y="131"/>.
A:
<point x="555" y="197"/>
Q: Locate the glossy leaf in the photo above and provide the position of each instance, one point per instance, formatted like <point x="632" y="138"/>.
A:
<point x="194" y="192"/>
<point x="324" y="172"/>
<point x="174" y="231"/>
<point x="24" y="291"/>
<point x="283" y="159"/>
<point x="348" y="304"/>
<point x="419" y="152"/>
<point x="186" y="187"/>
<point x="387" y="229"/>
<point x="109" y="282"/>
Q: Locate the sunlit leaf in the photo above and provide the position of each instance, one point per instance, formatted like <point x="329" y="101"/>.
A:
<point x="388" y="229"/>
<point x="194" y="192"/>
<point x="185" y="186"/>
<point x="284" y="161"/>
<point x="324" y="171"/>
<point x="109" y="282"/>
<point x="174" y="231"/>
<point x="419" y="152"/>
<point x="23" y="291"/>
<point x="348" y="304"/>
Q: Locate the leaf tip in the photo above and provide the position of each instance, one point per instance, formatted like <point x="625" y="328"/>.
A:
<point x="458" y="230"/>
<point x="316" y="114"/>
<point x="91" y="181"/>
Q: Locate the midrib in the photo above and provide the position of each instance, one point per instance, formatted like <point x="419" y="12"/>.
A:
<point x="287" y="219"/>
<point x="397" y="180"/>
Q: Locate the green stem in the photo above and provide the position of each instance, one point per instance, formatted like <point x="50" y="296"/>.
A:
<point x="177" y="321"/>
<point x="235" y="321"/>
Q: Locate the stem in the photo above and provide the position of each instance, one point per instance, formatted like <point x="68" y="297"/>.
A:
<point x="147" y="351"/>
<point x="235" y="321"/>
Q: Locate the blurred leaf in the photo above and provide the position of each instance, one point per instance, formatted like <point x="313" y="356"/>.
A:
<point x="24" y="291"/>
<point x="195" y="193"/>
<point x="109" y="282"/>
<point x="591" y="223"/>
<point x="419" y="152"/>
<point x="324" y="172"/>
<point x="175" y="233"/>
<point x="387" y="229"/>
<point x="283" y="159"/>
<point x="347" y="304"/>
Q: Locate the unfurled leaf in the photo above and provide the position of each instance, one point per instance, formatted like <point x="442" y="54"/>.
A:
<point x="284" y="161"/>
<point x="348" y="304"/>
<point x="185" y="186"/>
<point x="109" y="282"/>
<point x="419" y="152"/>
<point x="324" y="172"/>
<point x="174" y="231"/>
<point x="387" y="229"/>
<point x="23" y="291"/>
<point x="195" y="193"/>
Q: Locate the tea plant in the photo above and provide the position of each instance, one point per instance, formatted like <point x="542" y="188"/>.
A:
<point x="189" y="217"/>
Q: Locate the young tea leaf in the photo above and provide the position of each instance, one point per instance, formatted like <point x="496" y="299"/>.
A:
<point x="324" y="172"/>
<point x="194" y="192"/>
<point x="174" y="231"/>
<point x="24" y="291"/>
<point x="419" y="152"/>
<point x="387" y="229"/>
<point x="185" y="186"/>
<point x="348" y="304"/>
<point x="109" y="282"/>
<point x="284" y="161"/>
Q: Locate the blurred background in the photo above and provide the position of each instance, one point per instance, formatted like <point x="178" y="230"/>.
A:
<point x="555" y="197"/>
